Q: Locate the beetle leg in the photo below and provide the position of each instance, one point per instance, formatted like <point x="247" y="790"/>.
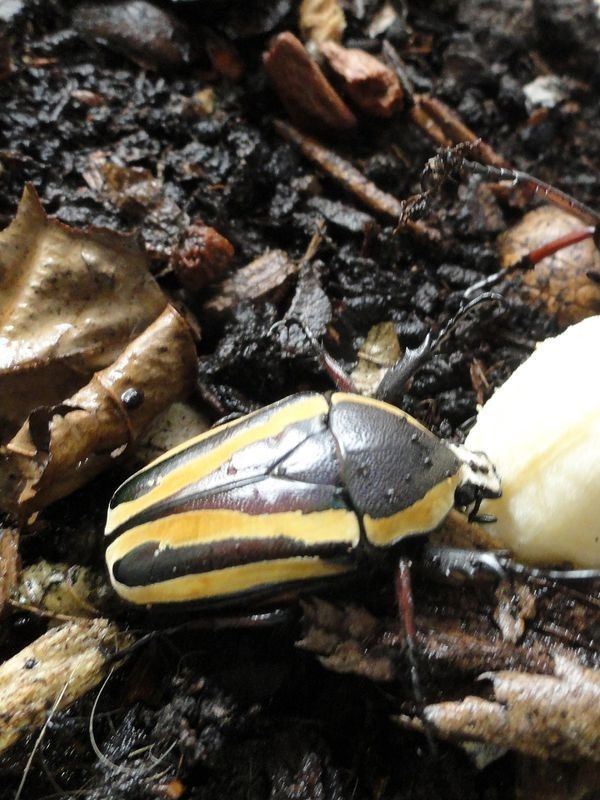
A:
<point x="529" y="260"/>
<point x="394" y="381"/>
<point x="266" y="619"/>
<point x="451" y="162"/>
<point x="406" y="607"/>
<point x="470" y="564"/>
<point x="473" y="564"/>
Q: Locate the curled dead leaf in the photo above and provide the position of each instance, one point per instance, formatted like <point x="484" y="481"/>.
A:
<point x="70" y="301"/>
<point x="70" y="443"/>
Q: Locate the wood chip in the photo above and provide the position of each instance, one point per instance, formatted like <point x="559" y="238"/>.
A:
<point x="308" y="97"/>
<point x="351" y="179"/>
<point x="370" y="85"/>
<point x="261" y="278"/>
<point x="445" y="128"/>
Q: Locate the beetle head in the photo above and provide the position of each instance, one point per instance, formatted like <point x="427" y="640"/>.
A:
<point x="478" y="481"/>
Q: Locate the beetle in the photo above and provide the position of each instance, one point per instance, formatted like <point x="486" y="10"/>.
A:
<point x="290" y="497"/>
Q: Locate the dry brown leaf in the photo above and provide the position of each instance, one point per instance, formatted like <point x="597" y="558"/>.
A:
<point x="321" y="20"/>
<point x="60" y="447"/>
<point x="70" y="301"/>
<point x="560" y="281"/>
<point x="546" y="716"/>
<point x="53" y="672"/>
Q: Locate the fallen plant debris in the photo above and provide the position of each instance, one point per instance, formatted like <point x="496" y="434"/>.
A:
<point x="201" y="257"/>
<point x="52" y="672"/>
<point x="305" y="92"/>
<point x="147" y="152"/>
<point x="547" y="716"/>
<point x="542" y="694"/>
<point x="560" y="281"/>
<point x="91" y="294"/>
<point x="370" y="85"/>
<point x="258" y="280"/>
<point x="9" y="566"/>
<point x="142" y="31"/>
<point x="60" y="590"/>
<point x="352" y="179"/>
<point x="59" y="448"/>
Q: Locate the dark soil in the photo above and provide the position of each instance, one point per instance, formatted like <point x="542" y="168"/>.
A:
<point x="245" y="714"/>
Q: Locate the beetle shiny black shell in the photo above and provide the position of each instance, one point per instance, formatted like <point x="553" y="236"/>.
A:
<point x="285" y="498"/>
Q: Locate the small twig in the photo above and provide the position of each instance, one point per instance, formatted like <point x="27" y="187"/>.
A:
<point x="445" y="127"/>
<point x="352" y="179"/>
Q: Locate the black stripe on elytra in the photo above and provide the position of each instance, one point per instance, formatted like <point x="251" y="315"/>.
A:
<point x="144" y="481"/>
<point x="148" y="564"/>
<point x="254" y="497"/>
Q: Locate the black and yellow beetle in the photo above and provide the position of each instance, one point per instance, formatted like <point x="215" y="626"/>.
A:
<point x="285" y="499"/>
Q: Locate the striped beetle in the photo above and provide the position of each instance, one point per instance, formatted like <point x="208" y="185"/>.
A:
<point x="283" y="500"/>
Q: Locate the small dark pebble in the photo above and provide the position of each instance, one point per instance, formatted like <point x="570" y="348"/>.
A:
<point x="140" y="30"/>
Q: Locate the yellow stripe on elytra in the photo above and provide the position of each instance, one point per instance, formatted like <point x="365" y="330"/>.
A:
<point x="172" y="481"/>
<point x="231" y="580"/>
<point x="213" y="525"/>
<point x="341" y="397"/>
<point x="422" y="517"/>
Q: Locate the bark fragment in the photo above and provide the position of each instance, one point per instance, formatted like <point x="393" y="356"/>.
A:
<point x="369" y="84"/>
<point x="258" y="279"/>
<point x="53" y="672"/>
<point x="308" y="97"/>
